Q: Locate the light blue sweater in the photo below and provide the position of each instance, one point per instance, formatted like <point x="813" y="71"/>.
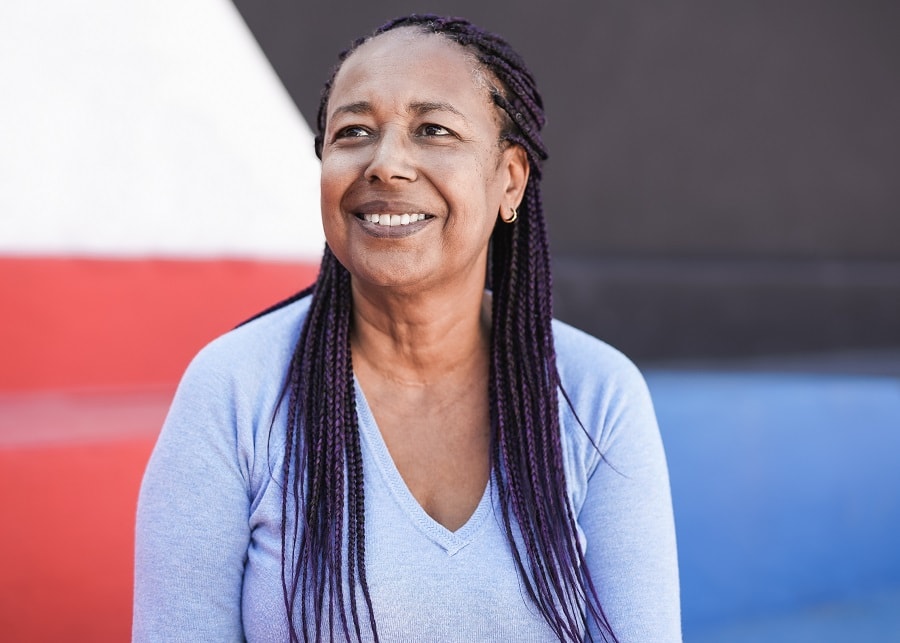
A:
<point x="208" y="553"/>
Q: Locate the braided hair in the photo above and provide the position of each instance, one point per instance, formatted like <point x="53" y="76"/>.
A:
<point x="323" y="461"/>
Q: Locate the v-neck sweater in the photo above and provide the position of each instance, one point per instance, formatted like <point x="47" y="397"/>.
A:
<point x="208" y="545"/>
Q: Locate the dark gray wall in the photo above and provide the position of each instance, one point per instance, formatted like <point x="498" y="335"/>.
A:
<point x="724" y="177"/>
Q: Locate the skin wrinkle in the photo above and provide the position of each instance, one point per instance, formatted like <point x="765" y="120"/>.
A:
<point x="525" y="450"/>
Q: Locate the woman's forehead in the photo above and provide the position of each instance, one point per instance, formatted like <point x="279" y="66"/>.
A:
<point x="410" y="59"/>
<point x="401" y="41"/>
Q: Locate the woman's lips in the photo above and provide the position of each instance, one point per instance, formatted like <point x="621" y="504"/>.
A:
<point x="386" y="218"/>
<point x="395" y="225"/>
<point x="394" y="219"/>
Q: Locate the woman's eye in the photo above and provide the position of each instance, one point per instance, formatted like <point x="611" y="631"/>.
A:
<point x="431" y="129"/>
<point x="354" y="131"/>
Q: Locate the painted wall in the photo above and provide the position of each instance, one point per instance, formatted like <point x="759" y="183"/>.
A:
<point x="157" y="186"/>
<point x="723" y="178"/>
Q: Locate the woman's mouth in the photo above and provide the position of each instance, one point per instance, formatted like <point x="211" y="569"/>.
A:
<point x="394" y="219"/>
<point x="393" y="226"/>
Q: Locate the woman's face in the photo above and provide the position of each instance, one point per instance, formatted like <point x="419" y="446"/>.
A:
<point x="413" y="175"/>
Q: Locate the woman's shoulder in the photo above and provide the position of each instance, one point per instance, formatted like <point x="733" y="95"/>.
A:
<point x="582" y="358"/>
<point x="263" y="345"/>
<point x="604" y="396"/>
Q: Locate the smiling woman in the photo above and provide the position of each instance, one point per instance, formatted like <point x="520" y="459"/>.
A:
<point x="409" y="117"/>
<point x="413" y="449"/>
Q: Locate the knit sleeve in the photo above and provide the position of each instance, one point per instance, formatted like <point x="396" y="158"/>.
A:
<point x="192" y="521"/>
<point x="627" y="520"/>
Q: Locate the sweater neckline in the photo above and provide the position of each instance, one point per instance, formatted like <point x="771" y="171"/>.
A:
<point x="450" y="541"/>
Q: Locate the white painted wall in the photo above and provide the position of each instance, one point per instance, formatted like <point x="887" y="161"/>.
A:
<point x="148" y="128"/>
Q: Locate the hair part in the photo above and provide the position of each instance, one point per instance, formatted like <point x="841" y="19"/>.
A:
<point x="322" y="463"/>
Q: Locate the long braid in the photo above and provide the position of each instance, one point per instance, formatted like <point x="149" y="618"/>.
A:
<point x="323" y="463"/>
<point x="323" y="457"/>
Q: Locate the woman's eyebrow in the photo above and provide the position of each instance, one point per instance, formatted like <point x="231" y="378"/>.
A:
<point x="421" y="108"/>
<point x="359" y="107"/>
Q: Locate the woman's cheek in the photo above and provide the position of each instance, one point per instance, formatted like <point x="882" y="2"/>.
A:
<point x="335" y="178"/>
<point x="339" y="165"/>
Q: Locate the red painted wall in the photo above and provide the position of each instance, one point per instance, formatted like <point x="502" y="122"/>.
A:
<point x="92" y="351"/>
<point x="125" y="323"/>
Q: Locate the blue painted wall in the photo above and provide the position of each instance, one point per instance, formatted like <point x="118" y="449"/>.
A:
<point x="786" y="489"/>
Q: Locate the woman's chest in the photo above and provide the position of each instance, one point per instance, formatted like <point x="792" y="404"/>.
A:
<point x="425" y="582"/>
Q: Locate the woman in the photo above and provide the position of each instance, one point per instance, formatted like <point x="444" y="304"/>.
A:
<point x="401" y="454"/>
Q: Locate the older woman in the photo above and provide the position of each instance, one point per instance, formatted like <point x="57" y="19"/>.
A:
<point x="413" y="450"/>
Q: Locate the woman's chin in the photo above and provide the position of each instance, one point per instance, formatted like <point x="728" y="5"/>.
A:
<point x="398" y="278"/>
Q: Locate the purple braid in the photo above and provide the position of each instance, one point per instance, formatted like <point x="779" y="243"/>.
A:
<point x="322" y="457"/>
<point x="323" y="463"/>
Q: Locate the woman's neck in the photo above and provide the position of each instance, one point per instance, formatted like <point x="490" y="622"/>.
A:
<point x="421" y="338"/>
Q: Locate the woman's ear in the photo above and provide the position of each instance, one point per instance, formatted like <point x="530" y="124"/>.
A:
<point x="516" y="166"/>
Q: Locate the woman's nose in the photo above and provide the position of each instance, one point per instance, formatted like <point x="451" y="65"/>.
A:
<point x="392" y="159"/>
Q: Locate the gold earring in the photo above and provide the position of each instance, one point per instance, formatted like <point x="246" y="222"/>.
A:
<point x="512" y="219"/>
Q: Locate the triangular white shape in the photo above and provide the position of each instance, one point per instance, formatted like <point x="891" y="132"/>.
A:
<point x="149" y="128"/>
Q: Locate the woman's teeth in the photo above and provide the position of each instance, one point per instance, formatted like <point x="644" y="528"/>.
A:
<point x="393" y="219"/>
